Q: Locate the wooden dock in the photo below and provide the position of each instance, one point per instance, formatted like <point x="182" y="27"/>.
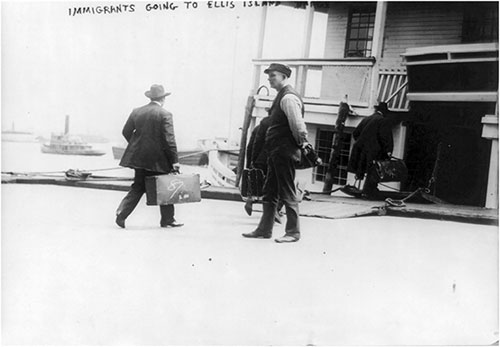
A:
<point x="316" y="205"/>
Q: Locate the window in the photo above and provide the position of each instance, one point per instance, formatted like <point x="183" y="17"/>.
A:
<point x="323" y="146"/>
<point x="480" y="23"/>
<point x="360" y="32"/>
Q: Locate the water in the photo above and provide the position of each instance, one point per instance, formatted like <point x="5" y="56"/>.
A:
<point x="27" y="157"/>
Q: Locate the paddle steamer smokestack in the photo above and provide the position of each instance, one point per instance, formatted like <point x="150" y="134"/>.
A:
<point x="66" y="125"/>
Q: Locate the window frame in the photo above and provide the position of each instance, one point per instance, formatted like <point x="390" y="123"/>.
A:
<point x="369" y="9"/>
<point x="319" y="172"/>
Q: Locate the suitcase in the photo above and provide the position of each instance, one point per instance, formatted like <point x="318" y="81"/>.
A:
<point x="252" y="183"/>
<point x="391" y="170"/>
<point x="172" y="189"/>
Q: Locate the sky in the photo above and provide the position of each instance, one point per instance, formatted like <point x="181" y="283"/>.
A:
<point x="96" y="67"/>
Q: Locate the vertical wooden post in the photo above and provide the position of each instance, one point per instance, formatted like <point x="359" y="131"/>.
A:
<point x="377" y="46"/>
<point x="491" y="133"/>
<point x="306" y="47"/>
<point x="492" y="190"/>
<point x="300" y="85"/>
<point x="251" y="99"/>
<point x="260" y="49"/>
<point x="338" y="133"/>
<point x="306" y="44"/>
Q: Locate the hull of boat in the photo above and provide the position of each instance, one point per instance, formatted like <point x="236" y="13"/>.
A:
<point x="194" y="157"/>
<point x="90" y="152"/>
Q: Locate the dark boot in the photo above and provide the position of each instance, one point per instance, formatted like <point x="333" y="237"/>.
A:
<point x="126" y="207"/>
<point x="278" y="213"/>
<point x="257" y="234"/>
<point x="120" y="222"/>
<point x="167" y="213"/>
<point x="370" y="187"/>
<point x="265" y="228"/>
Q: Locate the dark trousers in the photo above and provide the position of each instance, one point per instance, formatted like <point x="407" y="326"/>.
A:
<point x="371" y="181"/>
<point x="135" y="193"/>
<point x="280" y="186"/>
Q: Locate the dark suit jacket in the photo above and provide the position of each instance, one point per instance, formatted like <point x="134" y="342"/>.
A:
<point x="374" y="140"/>
<point x="149" y="132"/>
<point x="256" y="152"/>
<point x="250" y="147"/>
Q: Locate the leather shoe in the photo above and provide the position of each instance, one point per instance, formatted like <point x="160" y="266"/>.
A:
<point x="173" y="224"/>
<point x="120" y="222"/>
<point x="257" y="235"/>
<point x="286" y="238"/>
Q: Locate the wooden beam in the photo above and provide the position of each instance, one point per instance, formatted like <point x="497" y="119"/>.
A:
<point x="306" y="46"/>
<point x="300" y="78"/>
<point x="450" y="61"/>
<point x="492" y="188"/>
<point x="260" y="49"/>
<point x="454" y="96"/>
<point x="377" y="47"/>
<point x="317" y="62"/>
<point x="462" y="48"/>
<point x="264" y="99"/>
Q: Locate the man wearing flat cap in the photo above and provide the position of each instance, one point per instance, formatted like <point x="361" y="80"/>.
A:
<point x="286" y="134"/>
<point x="151" y="151"/>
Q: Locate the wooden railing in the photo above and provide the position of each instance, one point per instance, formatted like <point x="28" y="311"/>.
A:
<point x="392" y="88"/>
<point x="330" y="79"/>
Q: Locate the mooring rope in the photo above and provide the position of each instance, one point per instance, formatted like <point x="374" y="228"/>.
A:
<point x="48" y="173"/>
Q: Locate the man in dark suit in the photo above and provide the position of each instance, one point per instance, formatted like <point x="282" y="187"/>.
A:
<point x="374" y="141"/>
<point x="151" y="151"/>
<point x="257" y="159"/>
<point x="285" y="135"/>
<point x="256" y="156"/>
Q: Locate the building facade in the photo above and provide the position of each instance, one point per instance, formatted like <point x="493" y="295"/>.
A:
<point x="435" y="63"/>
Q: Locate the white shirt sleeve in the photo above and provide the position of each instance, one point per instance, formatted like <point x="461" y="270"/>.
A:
<point x="291" y="105"/>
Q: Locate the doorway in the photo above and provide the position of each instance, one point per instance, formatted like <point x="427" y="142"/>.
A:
<point x="445" y="151"/>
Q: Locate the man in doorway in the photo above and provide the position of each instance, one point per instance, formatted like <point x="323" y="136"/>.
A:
<point x="374" y="141"/>
<point x="286" y="134"/>
<point x="151" y="151"/>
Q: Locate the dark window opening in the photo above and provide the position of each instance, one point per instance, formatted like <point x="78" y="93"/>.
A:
<point x="324" y="140"/>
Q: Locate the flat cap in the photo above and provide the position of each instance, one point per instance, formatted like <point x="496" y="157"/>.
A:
<point x="280" y="68"/>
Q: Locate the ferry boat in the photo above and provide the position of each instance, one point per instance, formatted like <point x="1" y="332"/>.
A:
<point x="68" y="144"/>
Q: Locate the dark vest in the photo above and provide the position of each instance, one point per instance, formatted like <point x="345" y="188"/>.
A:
<point x="279" y="129"/>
